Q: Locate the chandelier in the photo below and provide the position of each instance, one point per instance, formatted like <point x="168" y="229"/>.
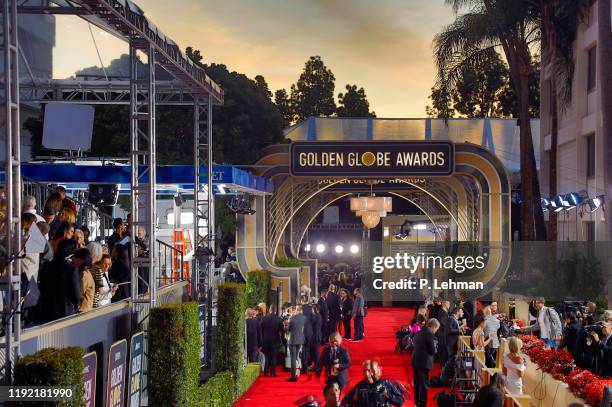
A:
<point x="371" y="208"/>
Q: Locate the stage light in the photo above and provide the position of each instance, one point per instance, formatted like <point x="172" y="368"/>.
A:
<point x="420" y="226"/>
<point x="594" y="203"/>
<point x="339" y="248"/>
<point x="545" y="203"/>
<point x="354" y="249"/>
<point x="221" y="188"/>
<point x="320" y="248"/>
<point x="307" y="247"/>
<point x="561" y="203"/>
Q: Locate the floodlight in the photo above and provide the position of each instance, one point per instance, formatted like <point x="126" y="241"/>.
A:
<point x="354" y="249"/>
<point x="339" y="248"/>
<point x="320" y="248"/>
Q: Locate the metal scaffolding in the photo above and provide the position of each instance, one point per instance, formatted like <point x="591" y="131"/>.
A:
<point x="204" y="214"/>
<point x="191" y="87"/>
<point x="11" y="236"/>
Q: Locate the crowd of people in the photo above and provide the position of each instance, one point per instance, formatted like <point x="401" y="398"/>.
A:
<point x="299" y="332"/>
<point x="72" y="274"/>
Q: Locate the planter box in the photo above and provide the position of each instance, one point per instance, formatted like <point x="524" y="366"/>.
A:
<point x="541" y="386"/>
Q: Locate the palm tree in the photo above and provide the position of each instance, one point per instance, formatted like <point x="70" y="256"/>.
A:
<point x="512" y="26"/>
<point x="559" y="21"/>
<point x="604" y="45"/>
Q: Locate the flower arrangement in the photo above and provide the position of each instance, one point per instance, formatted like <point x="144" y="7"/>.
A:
<point x="560" y="364"/>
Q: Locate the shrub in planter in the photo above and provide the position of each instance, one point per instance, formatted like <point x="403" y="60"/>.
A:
<point x="174" y="355"/>
<point x="258" y="287"/>
<point x="230" y="328"/>
<point x="288" y="262"/>
<point x="249" y="375"/>
<point x="219" y="390"/>
<point x="53" y="367"/>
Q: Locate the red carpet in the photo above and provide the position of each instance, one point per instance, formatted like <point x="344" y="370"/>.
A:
<point x="379" y="342"/>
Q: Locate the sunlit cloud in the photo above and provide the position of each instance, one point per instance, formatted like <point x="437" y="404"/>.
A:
<point x="383" y="46"/>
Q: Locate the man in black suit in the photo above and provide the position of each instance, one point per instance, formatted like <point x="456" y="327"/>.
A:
<point x="308" y="334"/>
<point x="295" y="326"/>
<point x="605" y="346"/>
<point x="333" y="305"/>
<point x="324" y="311"/>
<point x="425" y="345"/>
<point x="271" y="334"/>
<point x="453" y="330"/>
<point x="442" y="320"/>
<point x="253" y="334"/>
<point x="335" y="360"/>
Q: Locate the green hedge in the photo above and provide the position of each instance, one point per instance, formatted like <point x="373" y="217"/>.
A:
<point x="230" y="328"/>
<point x="53" y="367"/>
<point x="288" y="262"/>
<point x="248" y="377"/>
<point x="219" y="390"/>
<point x="222" y="390"/>
<point x="174" y="355"/>
<point x="258" y="287"/>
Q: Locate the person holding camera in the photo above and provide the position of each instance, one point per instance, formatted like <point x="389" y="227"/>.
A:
<point x="605" y="347"/>
<point x="335" y="360"/>
<point x="373" y="391"/>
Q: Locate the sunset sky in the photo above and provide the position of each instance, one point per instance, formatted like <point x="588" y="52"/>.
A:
<point x="383" y="46"/>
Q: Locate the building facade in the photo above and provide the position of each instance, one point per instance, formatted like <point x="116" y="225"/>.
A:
<point x="580" y="152"/>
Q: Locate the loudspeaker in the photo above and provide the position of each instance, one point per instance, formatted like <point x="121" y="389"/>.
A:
<point x="103" y="194"/>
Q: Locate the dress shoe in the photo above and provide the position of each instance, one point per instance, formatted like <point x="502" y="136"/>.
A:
<point x="292" y="379"/>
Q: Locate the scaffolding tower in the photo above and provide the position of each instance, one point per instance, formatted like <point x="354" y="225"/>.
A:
<point x="190" y="87"/>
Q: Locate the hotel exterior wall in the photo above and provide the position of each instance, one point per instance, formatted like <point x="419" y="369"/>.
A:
<point x="582" y="118"/>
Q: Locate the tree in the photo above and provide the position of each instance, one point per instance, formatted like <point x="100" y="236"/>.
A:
<point x="478" y="86"/>
<point x="441" y="106"/>
<point x="509" y="102"/>
<point x="486" y="25"/>
<point x="313" y="94"/>
<point x="281" y="100"/>
<point x="354" y="103"/>
<point x="263" y="86"/>
<point x="559" y="25"/>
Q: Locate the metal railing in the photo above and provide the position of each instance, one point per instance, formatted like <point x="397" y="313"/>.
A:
<point x="171" y="264"/>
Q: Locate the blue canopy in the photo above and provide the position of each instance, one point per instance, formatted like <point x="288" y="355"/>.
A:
<point x="75" y="175"/>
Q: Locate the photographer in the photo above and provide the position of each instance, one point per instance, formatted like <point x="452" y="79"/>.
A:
<point x="373" y="391"/>
<point x="604" y="346"/>
<point x="571" y="334"/>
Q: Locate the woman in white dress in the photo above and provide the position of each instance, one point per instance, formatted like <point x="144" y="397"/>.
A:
<point x="514" y="366"/>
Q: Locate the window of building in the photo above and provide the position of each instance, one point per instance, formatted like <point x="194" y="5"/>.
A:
<point x="589" y="231"/>
<point x="590" y="159"/>
<point x="592" y="69"/>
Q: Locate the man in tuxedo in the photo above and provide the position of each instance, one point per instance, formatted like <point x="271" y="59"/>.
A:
<point x="335" y="360"/>
<point x="605" y="346"/>
<point x="324" y="311"/>
<point x="308" y="334"/>
<point x="442" y="320"/>
<point x="333" y="306"/>
<point x="271" y="334"/>
<point x="425" y="347"/>
<point x="295" y="326"/>
<point x="453" y="330"/>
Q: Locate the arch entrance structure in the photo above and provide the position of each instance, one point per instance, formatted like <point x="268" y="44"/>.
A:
<point x="463" y="188"/>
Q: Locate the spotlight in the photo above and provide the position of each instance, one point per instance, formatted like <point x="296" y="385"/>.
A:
<point x="339" y="248"/>
<point x="307" y="247"/>
<point x="221" y="188"/>
<point x="354" y="249"/>
<point x="561" y="203"/>
<point x="545" y="203"/>
<point x="595" y="203"/>
<point x="241" y="206"/>
<point x="320" y="248"/>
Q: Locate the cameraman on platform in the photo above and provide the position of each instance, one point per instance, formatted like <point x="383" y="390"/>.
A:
<point x="373" y="391"/>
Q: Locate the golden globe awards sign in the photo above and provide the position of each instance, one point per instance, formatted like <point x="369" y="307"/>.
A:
<point x="372" y="159"/>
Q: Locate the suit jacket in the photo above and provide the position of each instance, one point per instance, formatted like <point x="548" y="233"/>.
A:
<point x="425" y="347"/>
<point x="358" y="306"/>
<point x="271" y="331"/>
<point x="323" y="310"/>
<point x="347" y="308"/>
<point x="296" y="329"/>
<point x="60" y="289"/>
<point x="344" y="362"/>
<point x="307" y="312"/>
<point x="252" y="334"/>
<point x="333" y="305"/>
<point x="452" y="331"/>
<point x="443" y="319"/>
